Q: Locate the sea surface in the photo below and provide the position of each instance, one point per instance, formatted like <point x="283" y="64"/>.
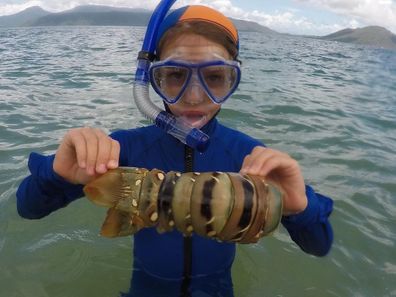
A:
<point x="332" y="106"/>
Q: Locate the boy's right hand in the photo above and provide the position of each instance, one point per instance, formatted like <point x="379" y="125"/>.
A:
<point x="85" y="153"/>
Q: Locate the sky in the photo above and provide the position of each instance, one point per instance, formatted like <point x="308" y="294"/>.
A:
<point x="313" y="17"/>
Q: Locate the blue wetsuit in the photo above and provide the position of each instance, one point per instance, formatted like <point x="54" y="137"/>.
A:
<point x="162" y="254"/>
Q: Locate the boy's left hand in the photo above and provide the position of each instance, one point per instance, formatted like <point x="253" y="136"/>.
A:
<point x="282" y="170"/>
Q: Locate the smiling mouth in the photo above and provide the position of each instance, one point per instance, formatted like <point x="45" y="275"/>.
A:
<point x="195" y="120"/>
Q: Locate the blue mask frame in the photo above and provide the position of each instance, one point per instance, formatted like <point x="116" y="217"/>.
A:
<point x="195" y="68"/>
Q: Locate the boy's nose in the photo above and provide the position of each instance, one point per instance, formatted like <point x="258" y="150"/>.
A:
<point x="194" y="93"/>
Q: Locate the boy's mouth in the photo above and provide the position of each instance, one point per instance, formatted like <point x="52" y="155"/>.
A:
<point x="197" y="120"/>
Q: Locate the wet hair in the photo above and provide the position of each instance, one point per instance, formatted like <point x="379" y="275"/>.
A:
<point x="205" y="29"/>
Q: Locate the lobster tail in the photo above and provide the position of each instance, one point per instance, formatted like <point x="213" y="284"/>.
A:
<point x="223" y="206"/>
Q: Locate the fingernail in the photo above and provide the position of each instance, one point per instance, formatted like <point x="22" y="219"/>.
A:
<point x="112" y="164"/>
<point x="245" y="170"/>
<point x="101" y="168"/>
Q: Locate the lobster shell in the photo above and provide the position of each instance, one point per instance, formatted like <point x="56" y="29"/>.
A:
<point x="224" y="206"/>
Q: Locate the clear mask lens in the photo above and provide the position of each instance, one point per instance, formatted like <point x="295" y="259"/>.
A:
<point x="219" y="80"/>
<point x="171" y="80"/>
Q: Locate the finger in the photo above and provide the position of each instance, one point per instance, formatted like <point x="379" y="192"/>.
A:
<point x="279" y="168"/>
<point x="91" y="148"/>
<point x="245" y="164"/>
<point x="269" y="166"/>
<point x="114" y="154"/>
<point x="248" y="161"/>
<point x="104" y="149"/>
<point x="256" y="159"/>
<point x="78" y="142"/>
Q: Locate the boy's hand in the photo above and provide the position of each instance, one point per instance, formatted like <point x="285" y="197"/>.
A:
<point x="282" y="170"/>
<point x="85" y="153"/>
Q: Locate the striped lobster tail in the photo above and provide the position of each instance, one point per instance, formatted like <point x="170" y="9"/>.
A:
<point x="224" y="206"/>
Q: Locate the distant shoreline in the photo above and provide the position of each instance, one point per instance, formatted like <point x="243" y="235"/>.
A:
<point x="96" y="15"/>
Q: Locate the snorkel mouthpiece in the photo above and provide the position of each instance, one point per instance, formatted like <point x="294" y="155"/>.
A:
<point x="178" y="128"/>
<point x="183" y="131"/>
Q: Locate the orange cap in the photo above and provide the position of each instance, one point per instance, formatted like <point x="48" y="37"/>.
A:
<point x="199" y="13"/>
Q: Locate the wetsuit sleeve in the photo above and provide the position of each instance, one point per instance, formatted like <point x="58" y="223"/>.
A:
<point x="44" y="191"/>
<point x="311" y="229"/>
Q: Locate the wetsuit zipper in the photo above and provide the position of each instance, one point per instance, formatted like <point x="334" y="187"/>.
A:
<point x="185" y="290"/>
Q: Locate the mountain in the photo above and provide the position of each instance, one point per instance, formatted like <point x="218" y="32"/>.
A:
<point x="373" y="35"/>
<point x="23" y="18"/>
<point x="98" y="15"/>
<point x="103" y="8"/>
<point x="100" y="18"/>
<point x="252" y="27"/>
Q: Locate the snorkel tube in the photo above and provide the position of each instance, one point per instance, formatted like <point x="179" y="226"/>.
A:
<point x="178" y="128"/>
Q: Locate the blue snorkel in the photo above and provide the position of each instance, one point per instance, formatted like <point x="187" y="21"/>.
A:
<point x="183" y="131"/>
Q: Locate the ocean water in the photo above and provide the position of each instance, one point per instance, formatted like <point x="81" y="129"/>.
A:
<point x="332" y="106"/>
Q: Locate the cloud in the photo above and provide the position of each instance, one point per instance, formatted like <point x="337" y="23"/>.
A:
<point x="7" y="9"/>
<point x="289" y="22"/>
<point x="368" y="12"/>
<point x="286" y="21"/>
<point x="354" y="13"/>
<point x="282" y="22"/>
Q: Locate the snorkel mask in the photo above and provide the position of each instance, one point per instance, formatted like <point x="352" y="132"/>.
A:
<point x="146" y="72"/>
<point x="218" y="78"/>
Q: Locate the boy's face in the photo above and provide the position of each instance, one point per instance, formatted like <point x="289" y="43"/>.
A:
<point x="195" y="107"/>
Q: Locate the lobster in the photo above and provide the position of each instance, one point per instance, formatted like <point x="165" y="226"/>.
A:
<point x="227" y="207"/>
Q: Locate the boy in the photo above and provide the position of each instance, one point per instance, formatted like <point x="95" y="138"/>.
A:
<point x="190" y="39"/>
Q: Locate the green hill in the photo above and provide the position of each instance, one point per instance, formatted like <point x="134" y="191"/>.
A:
<point x="98" y="15"/>
<point x="23" y="18"/>
<point x="373" y="35"/>
<point x="105" y="18"/>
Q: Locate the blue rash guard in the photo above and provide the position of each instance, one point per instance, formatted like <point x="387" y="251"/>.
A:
<point x="161" y="255"/>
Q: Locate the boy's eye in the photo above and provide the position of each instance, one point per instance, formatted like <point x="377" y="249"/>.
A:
<point x="175" y="75"/>
<point x="215" y="77"/>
